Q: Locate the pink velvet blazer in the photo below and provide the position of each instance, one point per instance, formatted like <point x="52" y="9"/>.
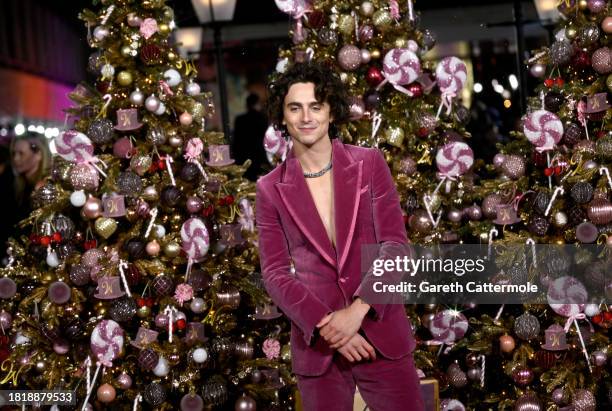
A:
<point x="324" y="279"/>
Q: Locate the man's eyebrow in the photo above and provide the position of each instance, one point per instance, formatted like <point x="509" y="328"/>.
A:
<point x="295" y="103"/>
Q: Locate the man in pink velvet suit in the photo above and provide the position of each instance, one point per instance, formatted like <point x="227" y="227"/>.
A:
<point x="314" y="213"/>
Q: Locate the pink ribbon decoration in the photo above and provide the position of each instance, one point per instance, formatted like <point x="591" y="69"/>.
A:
<point x="271" y="347"/>
<point x="148" y="27"/>
<point x="193" y="151"/>
<point x="581" y="108"/>
<point x="394" y="9"/>
<point x="183" y="292"/>
<point x="165" y="88"/>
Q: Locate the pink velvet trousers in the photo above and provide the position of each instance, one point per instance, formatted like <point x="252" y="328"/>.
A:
<point x="385" y="385"/>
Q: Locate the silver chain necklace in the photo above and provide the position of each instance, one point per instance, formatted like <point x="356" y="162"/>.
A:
<point x="319" y="173"/>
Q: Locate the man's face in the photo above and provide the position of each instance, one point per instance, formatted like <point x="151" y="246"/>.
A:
<point x="307" y="119"/>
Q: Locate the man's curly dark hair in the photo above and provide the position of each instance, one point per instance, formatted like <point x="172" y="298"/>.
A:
<point x="328" y="88"/>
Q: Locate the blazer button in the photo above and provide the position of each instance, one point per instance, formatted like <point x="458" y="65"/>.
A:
<point x="342" y="279"/>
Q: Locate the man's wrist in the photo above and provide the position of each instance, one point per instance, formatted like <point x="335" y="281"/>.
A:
<point x="360" y="307"/>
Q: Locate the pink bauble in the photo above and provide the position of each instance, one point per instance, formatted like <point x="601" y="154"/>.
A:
<point x="106" y="393"/>
<point x="92" y="208"/>
<point x="153" y="248"/>
<point x="186" y="119"/>
<point x="123" y="148"/>
<point x="606" y="24"/>
<point x="601" y="60"/>
<point x="293" y="8"/>
<point x="59" y="292"/>
<point x="349" y="57"/>
<point x="356" y="108"/>
<point x="124" y="381"/>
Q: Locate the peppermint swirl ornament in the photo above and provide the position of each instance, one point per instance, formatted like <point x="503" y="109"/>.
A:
<point x="451" y="74"/>
<point x="454" y="159"/>
<point x="195" y="239"/>
<point x="543" y="129"/>
<point x="400" y="67"/>
<point x="74" y="146"/>
<point x="448" y="326"/>
<point x="107" y="341"/>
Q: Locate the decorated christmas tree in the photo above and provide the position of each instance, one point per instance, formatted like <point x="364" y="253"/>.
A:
<point x="135" y="281"/>
<point x="492" y="357"/>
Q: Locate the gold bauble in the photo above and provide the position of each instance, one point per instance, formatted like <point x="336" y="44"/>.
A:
<point x="346" y="24"/>
<point x="558" y="240"/>
<point x="131" y="215"/>
<point x="47" y="278"/>
<point x="197" y="111"/>
<point x="168" y="13"/>
<point x="105" y="226"/>
<point x="41" y="366"/>
<point x="176" y="218"/>
<point x="394" y="135"/>
<point x="172" y="249"/>
<point x="382" y="19"/>
<point x="101" y="310"/>
<point x="150" y="193"/>
<point x="571" y="32"/>
<point x="126" y="51"/>
<point x="152" y="4"/>
<point x="164" y="29"/>
<point x="401" y="43"/>
<point x="171" y="56"/>
<point x="375" y="54"/>
<point x="285" y="353"/>
<point x="583" y="4"/>
<point x="124" y="78"/>
<point x="143" y="312"/>
<point x="343" y="77"/>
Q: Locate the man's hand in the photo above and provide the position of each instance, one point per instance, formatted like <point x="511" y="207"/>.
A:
<point x="338" y="327"/>
<point x="357" y="348"/>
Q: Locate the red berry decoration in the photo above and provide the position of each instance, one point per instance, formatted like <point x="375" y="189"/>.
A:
<point x="45" y="240"/>
<point x="181" y="324"/>
<point x="208" y="210"/>
<point x="161" y="165"/>
<point x="141" y="302"/>
<point x="416" y="89"/>
<point x="557" y="170"/>
<point x="374" y="76"/>
<point x="57" y="237"/>
<point x="149" y="301"/>
<point x="549" y="82"/>
<point x="559" y="82"/>
<point x="597" y="319"/>
<point x="548" y="171"/>
<point x="607" y="316"/>
<point x="229" y="199"/>
<point x="423" y="132"/>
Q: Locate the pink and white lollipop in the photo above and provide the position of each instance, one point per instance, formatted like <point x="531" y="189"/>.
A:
<point x="275" y="144"/>
<point x="451" y="74"/>
<point x="543" y="129"/>
<point x="195" y="239"/>
<point x="567" y="296"/>
<point x="451" y="405"/>
<point x="454" y="159"/>
<point x="448" y="326"/>
<point x="107" y="341"/>
<point x="74" y="146"/>
<point x="400" y="67"/>
<point x="293" y="8"/>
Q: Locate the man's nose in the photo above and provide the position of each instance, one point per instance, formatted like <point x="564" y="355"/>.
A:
<point x="305" y="116"/>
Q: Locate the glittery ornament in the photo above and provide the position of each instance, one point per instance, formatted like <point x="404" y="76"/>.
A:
<point x="522" y="375"/>
<point x="604" y="146"/>
<point x="538" y="70"/>
<point x="561" y="52"/>
<point x="599" y="358"/>
<point x="560" y="396"/>
<point x="513" y="166"/>
<point x="526" y="326"/>
<point x="243" y="350"/>
<point x="84" y="177"/>
<point x="601" y="60"/>
<point x="147" y="359"/>
<point x="412" y="203"/>
<point x="100" y="131"/>
<point x="135" y="248"/>
<point x="346" y="24"/>
<point x="79" y="274"/>
<point x="428" y="39"/>
<point x="528" y="402"/>
<point x="123" y="309"/>
<point x="394" y="136"/>
<point x="214" y="391"/>
<point x="64" y="226"/>
<point x="427" y="121"/>
<point x="576" y="215"/>
<point x="192" y="402"/>
<point x="581" y="192"/>
<point x="349" y="57"/>
<point x="190" y="173"/>
<point x="584" y="400"/>
<point x="366" y="33"/>
<point x="489" y="205"/>
<point x="150" y="54"/>
<point x="408" y="166"/>
<point x="545" y="359"/>
<point x="163" y="285"/>
<point x="538" y="225"/>
<point x="245" y="403"/>
<point x="382" y="19"/>
<point x="599" y="211"/>
<point x="572" y="134"/>
<point x="588" y="34"/>
<point x="94" y="62"/>
<point x="327" y="36"/>
<point x="154" y="394"/>
<point x="199" y="280"/>
<point x="456" y="377"/>
<point x="156" y="136"/>
<point x="419" y="222"/>
<point x="105" y="227"/>
<point x="129" y="183"/>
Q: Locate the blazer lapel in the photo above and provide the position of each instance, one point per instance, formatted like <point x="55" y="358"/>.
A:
<point x="298" y="201"/>
<point x="347" y="184"/>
